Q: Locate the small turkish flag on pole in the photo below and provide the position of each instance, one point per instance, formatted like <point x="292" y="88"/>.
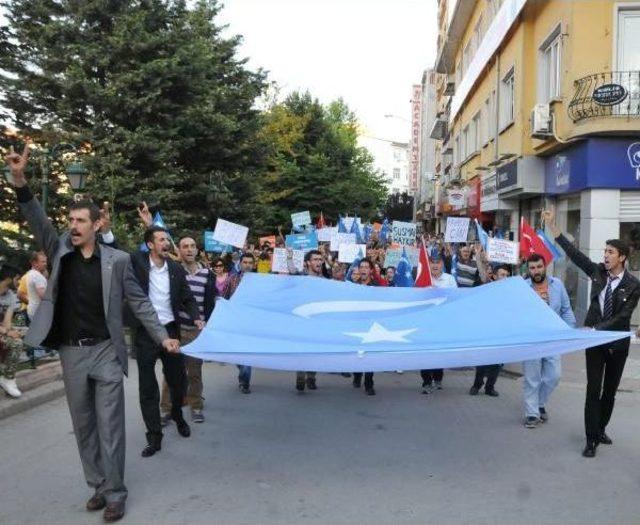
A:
<point x="530" y="243"/>
<point x="423" y="278"/>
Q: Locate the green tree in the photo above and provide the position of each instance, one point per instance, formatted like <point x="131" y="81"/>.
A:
<point x="313" y="162"/>
<point x="152" y="88"/>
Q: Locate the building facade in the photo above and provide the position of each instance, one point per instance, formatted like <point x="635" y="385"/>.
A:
<point x="538" y="103"/>
<point x="391" y="157"/>
<point x="426" y="194"/>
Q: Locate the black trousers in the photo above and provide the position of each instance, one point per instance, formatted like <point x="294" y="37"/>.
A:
<point x="429" y="376"/>
<point x="604" y="371"/>
<point x="173" y="368"/>
<point x="490" y="372"/>
<point x="368" y="379"/>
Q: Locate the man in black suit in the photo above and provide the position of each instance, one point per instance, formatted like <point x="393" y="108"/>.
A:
<point x="614" y="296"/>
<point x="164" y="281"/>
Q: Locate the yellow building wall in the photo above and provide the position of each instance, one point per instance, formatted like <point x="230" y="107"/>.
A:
<point x="587" y="48"/>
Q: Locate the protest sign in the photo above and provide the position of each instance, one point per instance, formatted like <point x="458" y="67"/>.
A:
<point x="301" y="219"/>
<point x="348" y="252"/>
<point x="279" y="260"/>
<point x="341" y="238"/>
<point x="457" y="229"/>
<point x="348" y="222"/>
<point x="404" y="233"/>
<point x="393" y="255"/>
<point x="502" y="251"/>
<point x="271" y="239"/>
<point x="324" y="234"/>
<point x="211" y="245"/>
<point x="302" y="241"/>
<point x="230" y="233"/>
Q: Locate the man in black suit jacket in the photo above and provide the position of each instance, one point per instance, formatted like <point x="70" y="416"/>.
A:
<point x="164" y="281"/>
<point x="614" y="296"/>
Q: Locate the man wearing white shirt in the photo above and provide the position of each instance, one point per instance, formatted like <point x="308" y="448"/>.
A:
<point x="440" y="279"/>
<point x="165" y="282"/>
<point x="36" y="282"/>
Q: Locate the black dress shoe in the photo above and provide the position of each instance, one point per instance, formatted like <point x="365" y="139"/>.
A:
<point x="356" y="384"/>
<point x="300" y="385"/>
<point x="491" y="393"/>
<point x="150" y="450"/>
<point x="604" y="439"/>
<point x="113" y="512"/>
<point x="311" y="383"/>
<point x="183" y="428"/>
<point x="370" y="391"/>
<point x="473" y="391"/>
<point x="590" y="450"/>
<point x="96" y="502"/>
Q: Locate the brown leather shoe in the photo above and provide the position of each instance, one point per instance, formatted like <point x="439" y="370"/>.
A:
<point x="113" y="511"/>
<point x="97" y="502"/>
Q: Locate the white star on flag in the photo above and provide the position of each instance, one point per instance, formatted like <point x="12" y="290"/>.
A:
<point x="378" y="333"/>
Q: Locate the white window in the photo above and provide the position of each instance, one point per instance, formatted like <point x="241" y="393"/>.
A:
<point x="486" y="119"/>
<point x="507" y="99"/>
<point x="464" y="146"/>
<point x="628" y="57"/>
<point x="396" y="173"/>
<point x="478" y="34"/>
<point x="456" y="151"/>
<point x="550" y="63"/>
<point x="493" y="115"/>
<point x="466" y="57"/>
<point x="458" y="73"/>
<point x="476" y="129"/>
<point x="397" y="155"/>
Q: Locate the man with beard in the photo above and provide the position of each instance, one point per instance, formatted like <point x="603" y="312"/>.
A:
<point x="165" y="283"/>
<point x="81" y="316"/>
<point x="541" y="376"/>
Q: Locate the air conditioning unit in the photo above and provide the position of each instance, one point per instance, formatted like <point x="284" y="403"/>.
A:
<point x="541" y="122"/>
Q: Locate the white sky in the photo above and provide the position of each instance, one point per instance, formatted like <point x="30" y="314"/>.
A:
<point x="369" y="52"/>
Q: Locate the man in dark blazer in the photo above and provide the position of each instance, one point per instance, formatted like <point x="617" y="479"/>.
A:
<point x="165" y="283"/>
<point x="614" y="296"/>
<point x="81" y="315"/>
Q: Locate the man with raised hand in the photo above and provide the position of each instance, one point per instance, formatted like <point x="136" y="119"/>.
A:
<point x="614" y="297"/>
<point x="81" y="316"/>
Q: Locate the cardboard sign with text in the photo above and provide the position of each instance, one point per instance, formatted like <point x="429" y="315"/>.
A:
<point x="503" y="251"/>
<point x="301" y="219"/>
<point x="213" y="246"/>
<point x="404" y="233"/>
<point x="457" y="229"/>
<point x="337" y="239"/>
<point x="279" y="260"/>
<point x="302" y="241"/>
<point x="230" y="233"/>
<point x="324" y="234"/>
<point x="348" y="252"/>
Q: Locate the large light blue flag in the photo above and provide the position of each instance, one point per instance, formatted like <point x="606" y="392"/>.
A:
<point x="310" y="323"/>
<point x="385" y="230"/>
<point x="342" y="227"/>
<point x="355" y="229"/>
<point x="483" y="237"/>
<point x="549" y="244"/>
<point x="355" y="264"/>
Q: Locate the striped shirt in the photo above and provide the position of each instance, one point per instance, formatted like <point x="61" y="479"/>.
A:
<point x="196" y="282"/>
<point x="467" y="273"/>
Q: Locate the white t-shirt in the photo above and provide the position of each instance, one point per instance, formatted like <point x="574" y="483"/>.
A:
<point x="35" y="280"/>
<point x="446" y="280"/>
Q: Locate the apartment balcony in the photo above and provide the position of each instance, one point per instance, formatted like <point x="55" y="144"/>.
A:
<point x="606" y="94"/>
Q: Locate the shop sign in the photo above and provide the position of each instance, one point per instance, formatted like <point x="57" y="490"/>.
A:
<point x="609" y="95"/>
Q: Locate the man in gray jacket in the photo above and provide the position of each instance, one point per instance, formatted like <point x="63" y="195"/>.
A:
<point x="81" y="316"/>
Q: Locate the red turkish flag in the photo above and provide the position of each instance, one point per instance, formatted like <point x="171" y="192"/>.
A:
<point x="423" y="278"/>
<point x="530" y="243"/>
<point x="320" y="224"/>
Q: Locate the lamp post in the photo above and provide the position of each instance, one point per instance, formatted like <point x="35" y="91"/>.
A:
<point x="75" y="171"/>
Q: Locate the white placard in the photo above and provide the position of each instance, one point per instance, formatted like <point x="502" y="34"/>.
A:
<point x="404" y="233"/>
<point x="348" y="222"/>
<point x="324" y="234"/>
<point x="457" y="229"/>
<point x="503" y="251"/>
<point x="348" y="252"/>
<point x="341" y="238"/>
<point x="279" y="260"/>
<point x="230" y="233"/>
<point x="301" y="219"/>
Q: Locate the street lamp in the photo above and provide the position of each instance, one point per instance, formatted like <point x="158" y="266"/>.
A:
<point x="75" y="171"/>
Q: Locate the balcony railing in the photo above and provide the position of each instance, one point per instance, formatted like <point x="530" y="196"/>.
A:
<point x="607" y="94"/>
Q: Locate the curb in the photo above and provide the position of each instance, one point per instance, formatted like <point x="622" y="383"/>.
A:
<point x="31" y="398"/>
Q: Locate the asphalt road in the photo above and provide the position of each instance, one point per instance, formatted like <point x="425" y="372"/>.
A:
<point x="336" y="456"/>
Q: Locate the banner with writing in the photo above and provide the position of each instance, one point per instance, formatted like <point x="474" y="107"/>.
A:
<point x="301" y="219"/>
<point x="348" y="252"/>
<point x="337" y="239"/>
<point x="503" y="251"/>
<point x="302" y="241"/>
<point x="213" y="246"/>
<point x="457" y="229"/>
<point x="404" y="233"/>
<point x="230" y="233"/>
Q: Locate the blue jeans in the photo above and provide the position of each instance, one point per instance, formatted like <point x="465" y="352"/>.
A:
<point x="541" y="376"/>
<point x="244" y="374"/>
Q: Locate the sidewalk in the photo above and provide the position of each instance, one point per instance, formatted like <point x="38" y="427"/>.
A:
<point x="38" y="386"/>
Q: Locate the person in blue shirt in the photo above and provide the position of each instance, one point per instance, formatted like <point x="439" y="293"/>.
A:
<point x="541" y="376"/>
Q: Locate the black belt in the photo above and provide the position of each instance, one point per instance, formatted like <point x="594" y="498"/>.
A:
<point x="85" y="341"/>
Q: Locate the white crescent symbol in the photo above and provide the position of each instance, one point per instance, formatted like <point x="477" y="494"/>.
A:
<point x="310" y="309"/>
